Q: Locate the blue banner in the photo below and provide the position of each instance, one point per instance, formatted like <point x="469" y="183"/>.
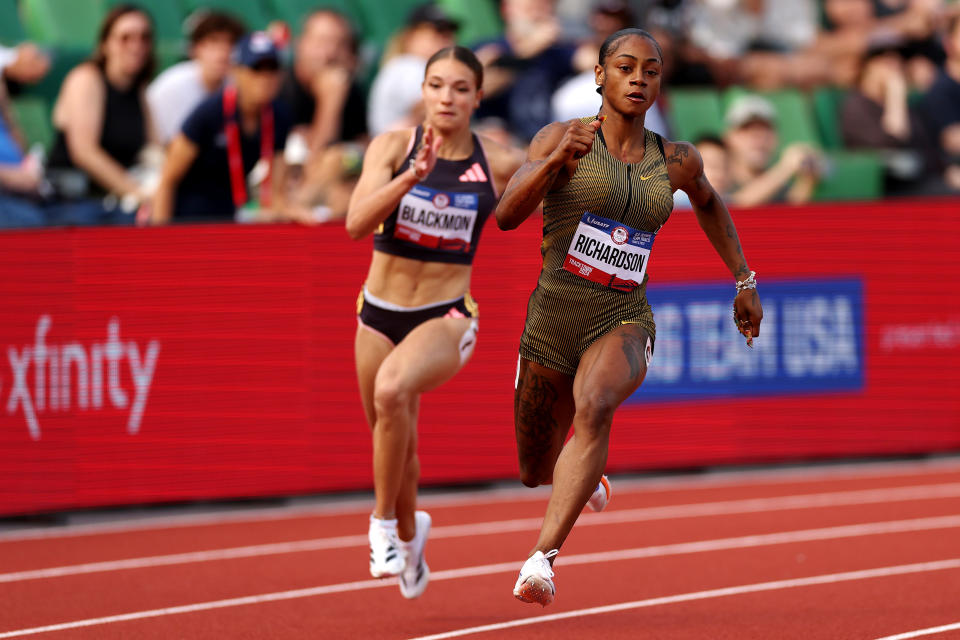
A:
<point x="811" y="340"/>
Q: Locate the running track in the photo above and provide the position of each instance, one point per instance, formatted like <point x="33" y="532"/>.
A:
<point x="865" y="551"/>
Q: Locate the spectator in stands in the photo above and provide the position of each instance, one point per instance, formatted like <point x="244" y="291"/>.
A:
<point x="177" y="91"/>
<point x="329" y="115"/>
<point x="395" y="96"/>
<point x="854" y="27"/>
<point x="941" y="105"/>
<point x="321" y="87"/>
<point x="755" y="179"/>
<point x="716" y="168"/>
<point x="525" y="66"/>
<point x="25" y="63"/>
<point x="716" y="163"/>
<point x="876" y="115"/>
<point x="21" y="176"/>
<point x="103" y="123"/>
<point x="578" y="96"/>
<point x="232" y="139"/>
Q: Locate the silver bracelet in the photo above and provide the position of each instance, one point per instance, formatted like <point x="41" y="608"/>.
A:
<point x="750" y="282"/>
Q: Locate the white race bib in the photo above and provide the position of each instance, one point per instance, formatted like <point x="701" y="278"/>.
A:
<point x="609" y="253"/>
<point x="437" y="219"/>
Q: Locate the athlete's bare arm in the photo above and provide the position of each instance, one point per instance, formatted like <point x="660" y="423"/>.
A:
<point x="685" y="167"/>
<point x="551" y="160"/>
<point x="504" y="162"/>
<point x="377" y="194"/>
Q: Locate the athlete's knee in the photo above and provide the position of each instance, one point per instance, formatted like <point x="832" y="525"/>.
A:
<point x="595" y="413"/>
<point x="391" y="395"/>
<point x="534" y="473"/>
<point x="533" y="476"/>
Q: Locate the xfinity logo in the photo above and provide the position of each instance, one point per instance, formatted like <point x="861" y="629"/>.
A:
<point x="51" y="377"/>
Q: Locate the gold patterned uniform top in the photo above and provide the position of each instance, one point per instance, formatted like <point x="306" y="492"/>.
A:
<point x="572" y="307"/>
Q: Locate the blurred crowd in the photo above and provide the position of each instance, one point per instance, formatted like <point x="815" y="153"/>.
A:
<point x="256" y="125"/>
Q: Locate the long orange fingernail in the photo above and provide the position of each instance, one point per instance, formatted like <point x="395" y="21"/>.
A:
<point x="601" y="118"/>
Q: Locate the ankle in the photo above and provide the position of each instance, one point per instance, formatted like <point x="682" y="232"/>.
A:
<point x="387" y="523"/>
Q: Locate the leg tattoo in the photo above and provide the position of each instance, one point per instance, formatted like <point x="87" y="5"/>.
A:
<point x="634" y="349"/>
<point x="536" y="426"/>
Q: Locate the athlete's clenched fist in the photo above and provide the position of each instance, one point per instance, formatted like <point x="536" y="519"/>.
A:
<point x="577" y="139"/>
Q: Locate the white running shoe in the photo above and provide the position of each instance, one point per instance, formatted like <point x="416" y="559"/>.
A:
<point x="535" y="583"/>
<point x="387" y="557"/>
<point x="416" y="575"/>
<point x="601" y="495"/>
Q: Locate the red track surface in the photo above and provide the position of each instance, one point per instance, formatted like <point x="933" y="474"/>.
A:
<point x="678" y="536"/>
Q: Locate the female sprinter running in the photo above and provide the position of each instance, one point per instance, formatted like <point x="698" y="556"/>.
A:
<point x="606" y="183"/>
<point x="425" y="194"/>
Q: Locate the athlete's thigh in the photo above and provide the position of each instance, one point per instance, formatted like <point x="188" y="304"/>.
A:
<point x="543" y="410"/>
<point x="370" y="350"/>
<point x="430" y="355"/>
<point x="613" y="367"/>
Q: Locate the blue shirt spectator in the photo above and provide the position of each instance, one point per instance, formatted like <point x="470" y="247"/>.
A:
<point x="9" y="149"/>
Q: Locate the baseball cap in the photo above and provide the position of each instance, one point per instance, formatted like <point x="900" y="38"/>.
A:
<point x="432" y="14"/>
<point x="750" y="108"/>
<point x="255" y="48"/>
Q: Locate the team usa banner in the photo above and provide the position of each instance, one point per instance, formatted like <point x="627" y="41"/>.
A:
<point x="207" y="362"/>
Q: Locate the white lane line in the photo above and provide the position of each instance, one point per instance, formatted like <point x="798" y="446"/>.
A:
<point x="923" y="632"/>
<point x="775" y="585"/>
<point x="829" y="533"/>
<point x="728" y="507"/>
<point x="720" y="478"/>
<point x="922" y="567"/>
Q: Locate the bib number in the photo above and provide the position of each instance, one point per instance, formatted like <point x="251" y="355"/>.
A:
<point x="437" y="219"/>
<point x="609" y="253"/>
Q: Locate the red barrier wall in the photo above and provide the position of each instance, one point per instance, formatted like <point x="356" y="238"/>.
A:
<point x="209" y="362"/>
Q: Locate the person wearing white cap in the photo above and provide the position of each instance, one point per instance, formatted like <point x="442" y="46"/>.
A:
<point x="752" y="139"/>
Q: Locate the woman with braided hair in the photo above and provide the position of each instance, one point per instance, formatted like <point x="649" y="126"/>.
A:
<point x="606" y="183"/>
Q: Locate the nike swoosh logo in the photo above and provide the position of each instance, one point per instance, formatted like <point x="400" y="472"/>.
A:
<point x="647" y="177"/>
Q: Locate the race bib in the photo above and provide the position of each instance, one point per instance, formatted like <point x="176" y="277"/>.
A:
<point x="437" y="219"/>
<point x="609" y="253"/>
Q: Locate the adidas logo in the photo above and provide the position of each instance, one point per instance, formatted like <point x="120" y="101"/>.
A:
<point x="474" y="174"/>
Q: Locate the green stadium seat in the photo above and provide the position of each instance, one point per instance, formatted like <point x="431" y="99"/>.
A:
<point x="693" y="113"/>
<point x="826" y="110"/>
<point x="11" y="29"/>
<point x="63" y="23"/>
<point x="795" y="122"/>
<point x="294" y="11"/>
<point x="380" y="19"/>
<point x="479" y="21"/>
<point x="62" y="60"/>
<point x="253" y="13"/>
<point x="852" y="175"/>
<point x="33" y="115"/>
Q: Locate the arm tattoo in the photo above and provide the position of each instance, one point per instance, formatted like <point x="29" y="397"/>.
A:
<point x="680" y="151"/>
<point x="732" y="233"/>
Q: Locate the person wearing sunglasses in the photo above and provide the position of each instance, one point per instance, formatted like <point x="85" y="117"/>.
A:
<point x="102" y="123"/>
